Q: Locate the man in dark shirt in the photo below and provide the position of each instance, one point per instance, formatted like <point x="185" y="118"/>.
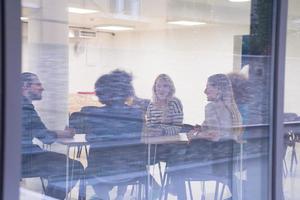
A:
<point x="36" y="161"/>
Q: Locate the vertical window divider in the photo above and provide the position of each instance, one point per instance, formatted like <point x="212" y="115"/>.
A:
<point x="277" y="101"/>
<point x="11" y="96"/>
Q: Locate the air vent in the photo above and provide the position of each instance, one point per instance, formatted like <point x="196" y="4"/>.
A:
<point x="87" y="34"/>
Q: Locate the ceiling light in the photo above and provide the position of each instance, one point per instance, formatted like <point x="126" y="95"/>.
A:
<point x="81" y="10"/>
<point x="24" y="18"/>
<point x="186" y="23"/>
<point x="114" y="28"/>
<point x="239" y="0"/>
<point x="30" y="5"/>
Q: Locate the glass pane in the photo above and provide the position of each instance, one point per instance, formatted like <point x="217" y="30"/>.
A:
<point x="146" y="99"/>
<point x="291" y="105"/>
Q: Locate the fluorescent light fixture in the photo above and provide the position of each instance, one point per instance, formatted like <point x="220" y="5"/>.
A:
<point x="24" y="18"/>
<point x="30" y="5"/>
<point x="114" y="28"/>
<point x="239" y="0"/>
<point x="186" y="23"/>
<point x="81" y="10"/>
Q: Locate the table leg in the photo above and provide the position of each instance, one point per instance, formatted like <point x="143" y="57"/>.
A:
<point x="241" y="171"/>
<point x="148" y="173"/>
<point x="67" y="171"/>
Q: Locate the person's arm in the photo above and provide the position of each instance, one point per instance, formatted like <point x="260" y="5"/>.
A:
<point x="36" y="127"/>
<point x="173" y="125"/>
<point x="152" y="128"/>
<point x="210" y="128"/>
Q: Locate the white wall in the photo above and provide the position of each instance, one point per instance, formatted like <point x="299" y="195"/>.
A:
<point x="292" y="73"/>
<point x="189" y="56"/>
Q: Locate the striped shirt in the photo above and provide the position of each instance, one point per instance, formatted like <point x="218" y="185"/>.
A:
<point x="168" y="119"/>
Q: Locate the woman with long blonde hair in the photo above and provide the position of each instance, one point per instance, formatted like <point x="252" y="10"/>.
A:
<point x="222" y="124"/>
<point x="222" y="117"/>
<point x="164" y="114"/>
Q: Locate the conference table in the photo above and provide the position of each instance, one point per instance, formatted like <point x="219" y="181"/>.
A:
<point x="79" y="140"/>
<point x="152" y="142"/>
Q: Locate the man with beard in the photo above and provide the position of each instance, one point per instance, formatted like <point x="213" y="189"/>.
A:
<point x="36" y="161"/>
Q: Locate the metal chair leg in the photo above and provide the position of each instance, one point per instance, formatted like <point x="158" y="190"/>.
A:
<point x="167" y="188"/>
<point x="222" y="192"/>
<point x="190" y="189"/>
<point x="202" y="190"/>
<point x="217" y="190"/>
<point x="163" y="183"/>
<point x="43" y="185"/>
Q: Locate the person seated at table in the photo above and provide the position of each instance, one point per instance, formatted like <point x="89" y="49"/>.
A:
<point x="221" y="125"/>
<point x="76" y="118"/>
<point x="114" y="133"/>
<point x="221" y="113"/>
<point x="164" y="117"/>
<point x="36" y="161"/>
<point x="133" y="100"/>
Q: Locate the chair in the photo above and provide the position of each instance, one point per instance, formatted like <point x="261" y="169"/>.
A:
<point x="134" y="175"/>
<point x="195" y="178"/>
<point x="77" y="122"/>
<point x="290" y="141"/>
<point x="26" y="175"/>
<point x="195" y="168"/>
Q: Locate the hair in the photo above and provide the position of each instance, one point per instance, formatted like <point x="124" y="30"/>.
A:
<point x="241" y="87"/>
<point x="27" y="78"/>
<point x="114" y="88"/>
<point x="223" y="84"/>
<point x="170" y="83"/>
<point x="125" y="77"/>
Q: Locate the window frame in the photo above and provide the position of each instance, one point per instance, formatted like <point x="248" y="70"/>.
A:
<point x="10" y="58"/>
<point x="280" y="13"/>
<point x="10" y="98"/>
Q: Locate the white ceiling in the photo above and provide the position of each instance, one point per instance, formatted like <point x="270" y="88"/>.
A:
<point x="153" y="14"/>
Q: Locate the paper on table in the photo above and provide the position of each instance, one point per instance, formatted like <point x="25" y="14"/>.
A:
<point x="181" y="137"/>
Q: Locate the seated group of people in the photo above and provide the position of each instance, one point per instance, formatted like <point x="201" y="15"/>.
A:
<point x="122" y="121"/>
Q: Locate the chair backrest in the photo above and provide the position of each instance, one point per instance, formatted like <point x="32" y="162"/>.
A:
<point x="288" y="117"/>
<point x="76" y="121"/>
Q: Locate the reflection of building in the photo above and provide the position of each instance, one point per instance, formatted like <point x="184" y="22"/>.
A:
<point x="147" y="47"/>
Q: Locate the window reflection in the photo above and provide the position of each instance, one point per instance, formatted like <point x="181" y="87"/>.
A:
<point x="114" y="92"/>
<point x="291" y="107"/>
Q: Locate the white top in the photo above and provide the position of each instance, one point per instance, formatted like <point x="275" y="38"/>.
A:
<point x="218" y="119"/>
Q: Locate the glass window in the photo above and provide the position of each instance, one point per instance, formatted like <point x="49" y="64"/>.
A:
<point x="291" y="107"/>
<point x="146" y="99"/>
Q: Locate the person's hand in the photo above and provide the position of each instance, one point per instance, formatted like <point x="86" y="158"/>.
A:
<point x="213" y="136"/>
<point x="239" y="140"/>
<point x="197" y="127"/>
<point x="192" y="134"/>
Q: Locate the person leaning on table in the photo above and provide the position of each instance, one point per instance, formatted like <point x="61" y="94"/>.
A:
<point x="221" y="125"/>
<point x="36" y="161"/>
